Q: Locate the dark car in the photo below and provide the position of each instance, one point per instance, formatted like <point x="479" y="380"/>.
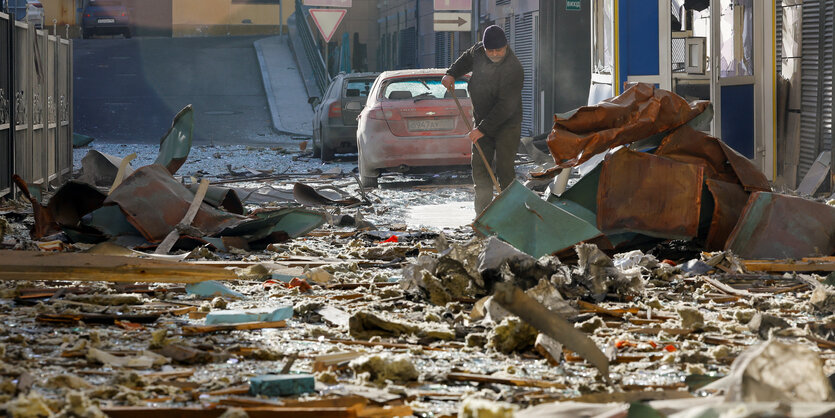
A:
<point x="335" y="117"/>
<point x="105" y="17"/>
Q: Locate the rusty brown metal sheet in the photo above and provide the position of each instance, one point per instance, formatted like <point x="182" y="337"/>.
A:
<point x="648" y="194"/>
<point x="729" y="200"/>
<point x="774" y="226"/>
<point x="44" y="222"/>
<point x="721" y="162"/>
<point x="640" y="112"/>
<point x="154" y="202"/>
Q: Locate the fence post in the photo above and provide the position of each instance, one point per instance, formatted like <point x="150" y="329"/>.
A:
<point x="12" y="105"/>
<point x="30" y="104"/>
<point x="44" y="87"/>
<point x="56" y="57"/>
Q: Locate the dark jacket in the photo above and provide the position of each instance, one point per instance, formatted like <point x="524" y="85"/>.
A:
<point x="495" y="89"/>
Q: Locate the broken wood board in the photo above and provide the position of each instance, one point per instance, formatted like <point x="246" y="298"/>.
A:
<point x="294" y="412"/>
<point x="204" y="329"/>
<point x="786" y="266"/>
<point x="725" y="288"/>
<point x="29" y="265"/>
<point x="510" y="380"/>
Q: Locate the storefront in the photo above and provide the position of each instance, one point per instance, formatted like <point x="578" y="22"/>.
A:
<point x="717" y="50"/>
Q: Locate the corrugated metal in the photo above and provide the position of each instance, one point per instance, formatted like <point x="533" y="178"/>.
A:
<point x="779" y="46"/>
<point x="442" y="55"/>
<point x="524" y="46"/>
<point x="816" y="82"/>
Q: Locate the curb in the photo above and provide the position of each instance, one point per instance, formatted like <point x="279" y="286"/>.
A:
<point x="265" y="77"/>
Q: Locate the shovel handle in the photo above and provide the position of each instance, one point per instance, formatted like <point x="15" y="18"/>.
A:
<point x="477" y="147"/>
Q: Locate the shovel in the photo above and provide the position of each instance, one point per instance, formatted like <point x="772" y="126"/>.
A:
<point x="477" y="147"/>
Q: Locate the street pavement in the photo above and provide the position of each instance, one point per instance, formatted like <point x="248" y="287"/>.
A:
<point x="128" y="90"/>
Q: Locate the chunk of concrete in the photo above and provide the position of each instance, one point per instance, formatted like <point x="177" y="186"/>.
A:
<point x="386" y="366"/>
<point x="474" y="407"/>
<point x="512" y="334"/>
<point x="281" y="384"/>
<point x="762" y="324"/>
<point x="237" y="316"/>
<point x="776" y="372"/>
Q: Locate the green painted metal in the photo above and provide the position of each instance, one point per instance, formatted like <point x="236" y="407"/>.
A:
<point x="79" y="140"/>
<point x="111" y="221"/>
<point x="176" y="143"/>
<point x="774" y="226"/>
<point x="293" y="221"/>
<point x="582" y="193"/>
<point x="534" y="226"/>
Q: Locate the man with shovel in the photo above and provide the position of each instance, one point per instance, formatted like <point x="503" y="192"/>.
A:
<point x="496" y="92"/>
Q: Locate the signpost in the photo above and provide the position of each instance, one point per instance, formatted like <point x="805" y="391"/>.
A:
<point x="458" y="5"/>
<point x="452" y="22"/>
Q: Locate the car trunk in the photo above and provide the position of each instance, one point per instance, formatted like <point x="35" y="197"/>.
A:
<point x="427" y="117"/>
<point x="353" y="99"/>
<point x="351" y="108"/>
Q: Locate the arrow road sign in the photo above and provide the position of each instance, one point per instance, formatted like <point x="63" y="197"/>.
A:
<point x="327" y="20"/>
<point x="460" y="5"/>
<point x="452" y="22"/>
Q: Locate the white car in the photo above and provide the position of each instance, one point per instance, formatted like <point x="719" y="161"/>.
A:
<point x="34" y="13"/>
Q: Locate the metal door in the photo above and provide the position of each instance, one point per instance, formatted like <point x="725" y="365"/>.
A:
<point x="643" y="53"/>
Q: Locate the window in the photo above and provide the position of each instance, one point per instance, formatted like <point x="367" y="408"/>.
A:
<point x="603" y="27"/>
<point x="736" y="38"/>
<point x="427" y="87"/>
<point x="358" y="88"/>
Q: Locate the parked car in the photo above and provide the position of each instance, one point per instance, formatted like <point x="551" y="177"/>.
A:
<point x="105" y="17"/>
<point x="335" y="117"/>
<point x="411" y="121"/>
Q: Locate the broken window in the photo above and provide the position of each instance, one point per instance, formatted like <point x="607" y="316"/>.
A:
<point x="603" y="33"/>
<point x="736" y="38"/>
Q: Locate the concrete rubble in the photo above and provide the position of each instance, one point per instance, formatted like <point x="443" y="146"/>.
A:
<point x="377" y="317"/>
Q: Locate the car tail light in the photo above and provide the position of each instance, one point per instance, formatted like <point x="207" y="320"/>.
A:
<point x="335" y="110"/>
<point x="380" y="114"/>
<point x="88" y="14"/>
<point x="124" y="14"/>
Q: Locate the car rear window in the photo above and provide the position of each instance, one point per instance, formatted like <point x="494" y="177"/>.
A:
<point x="358" y="88"/>
<point x="420" y="87"/>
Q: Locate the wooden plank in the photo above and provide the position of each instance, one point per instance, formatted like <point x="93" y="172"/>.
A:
<point x="257" y="412"/>
<point x="204" y="329"/>
<point x="512" y="381"/>
<point x="174" y="235"/>
<point x="811" y="264"/>
<point x="725" y="288"/>
<point x="30" y="265"/>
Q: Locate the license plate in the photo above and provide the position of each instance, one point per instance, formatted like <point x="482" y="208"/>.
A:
<point x="107" y="20"/>
<point x="431" y="124"/>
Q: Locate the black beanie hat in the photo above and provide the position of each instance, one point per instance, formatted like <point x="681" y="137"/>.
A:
<point x="494" y="37"/>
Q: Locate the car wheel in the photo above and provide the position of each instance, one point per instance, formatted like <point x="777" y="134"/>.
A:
<point x="317" y="149"/>
<point x="127" y="33"/>
<point x="368" y="178"/>
<point x="326" y="150"/>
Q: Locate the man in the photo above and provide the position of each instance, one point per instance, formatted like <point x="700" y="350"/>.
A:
<point x="496" y="91"/>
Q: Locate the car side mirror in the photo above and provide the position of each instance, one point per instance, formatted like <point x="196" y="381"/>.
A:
<point x="312" y="100"/>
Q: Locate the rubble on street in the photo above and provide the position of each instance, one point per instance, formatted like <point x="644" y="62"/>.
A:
<point x="669" y="279"/>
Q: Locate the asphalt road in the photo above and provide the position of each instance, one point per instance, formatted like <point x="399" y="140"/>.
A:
<point x="128" y="90"/>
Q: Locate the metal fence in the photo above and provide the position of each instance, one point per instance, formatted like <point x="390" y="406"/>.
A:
<point x="35" y="105"/>
<point x="311" y="51"/>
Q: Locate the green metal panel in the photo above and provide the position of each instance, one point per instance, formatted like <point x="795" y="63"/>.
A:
<point x="534" y="226"/>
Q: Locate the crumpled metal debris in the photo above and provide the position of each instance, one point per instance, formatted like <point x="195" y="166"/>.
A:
<point x="640" y="112"/>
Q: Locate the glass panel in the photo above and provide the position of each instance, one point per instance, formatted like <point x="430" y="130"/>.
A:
<point x="736" y="29"/>
<point x="358" y="88"/>
<point x="430" y="88"/>
<point x="604" y="38"/>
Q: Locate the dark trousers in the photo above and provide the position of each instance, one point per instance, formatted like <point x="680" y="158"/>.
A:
<point x="500" y="151"/>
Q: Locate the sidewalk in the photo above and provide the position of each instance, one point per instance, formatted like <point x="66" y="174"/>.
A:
<point x="284" y="87"/>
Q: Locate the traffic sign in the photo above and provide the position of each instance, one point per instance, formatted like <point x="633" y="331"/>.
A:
<point x="453" y="5"/>
<point x="327" y="20"/>
<point x="328" y="3"/>
<point x="452" y="22"/>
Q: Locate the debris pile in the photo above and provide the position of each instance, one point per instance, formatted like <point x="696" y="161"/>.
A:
<point x="570" y="306"/>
